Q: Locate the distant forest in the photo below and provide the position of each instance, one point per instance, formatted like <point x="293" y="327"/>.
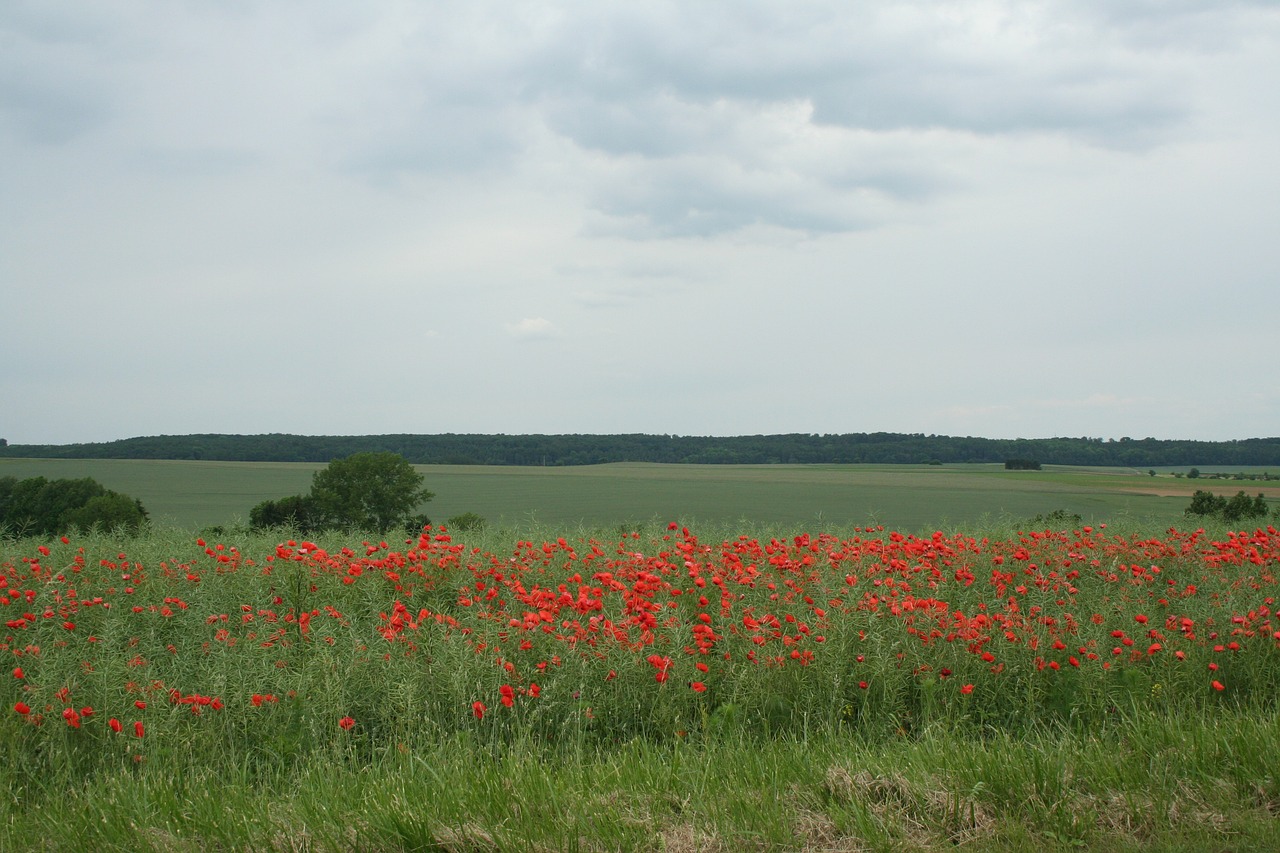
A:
<point x="796" y="448"/>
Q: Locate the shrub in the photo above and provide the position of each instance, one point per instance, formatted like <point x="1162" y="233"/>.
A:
<point x="40" y="507"/>
<point x="466" y="521"/>
<point x="1237" y="508"/>
<point x="295" y="511"/>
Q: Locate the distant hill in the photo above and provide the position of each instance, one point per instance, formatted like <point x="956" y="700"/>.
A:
<point x="878" y="447"/>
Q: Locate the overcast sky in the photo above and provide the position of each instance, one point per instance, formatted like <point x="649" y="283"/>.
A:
<point x="1000" y="219"/>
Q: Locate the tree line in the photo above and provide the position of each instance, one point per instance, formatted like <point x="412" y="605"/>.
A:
<point x="794" y="448"/>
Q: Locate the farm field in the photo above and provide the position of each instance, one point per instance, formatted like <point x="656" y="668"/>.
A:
<point x="644" y="657"/>
<point x="196" y="495"/>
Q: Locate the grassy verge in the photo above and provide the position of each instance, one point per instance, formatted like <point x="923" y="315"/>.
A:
<point x="1157" y="783"/>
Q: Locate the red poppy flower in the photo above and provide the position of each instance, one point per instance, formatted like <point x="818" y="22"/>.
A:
<point x="115" y="725"/>
<point x="346" y="723"/>
<point x="966" y="689"/>
<point x="697" y="686"/>
<point x="22" y="708"/>
<point x="508" y="695"/>
<point x="478" y="709"/>
<point x="72" y="718"/>
<point x="1218" y="685"/>
<point x="138" y="730"/>
<point x="18" y="673"/>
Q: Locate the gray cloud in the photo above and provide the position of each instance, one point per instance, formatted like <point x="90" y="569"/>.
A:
<point x="49" y="94"/>
<point x="752" y="94"/>
<point x="703" y="119"/>
<point x="703" y="197"/>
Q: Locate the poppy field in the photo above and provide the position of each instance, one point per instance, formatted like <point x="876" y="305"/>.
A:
<point x="497" y="667"/>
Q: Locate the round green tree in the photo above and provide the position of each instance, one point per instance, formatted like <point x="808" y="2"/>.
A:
<point x="368" y="491"/>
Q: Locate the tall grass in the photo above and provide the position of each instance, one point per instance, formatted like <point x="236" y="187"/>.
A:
<point x="322" y="695"/>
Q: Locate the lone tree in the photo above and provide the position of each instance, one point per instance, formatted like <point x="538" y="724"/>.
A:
<point x="367" y="491"/>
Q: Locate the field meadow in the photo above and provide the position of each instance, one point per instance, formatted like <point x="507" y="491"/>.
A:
<point x="197" y="494"/>
<point x="699" y="681"/>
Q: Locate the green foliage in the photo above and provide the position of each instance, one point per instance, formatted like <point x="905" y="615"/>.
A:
<point x="105" y="512"/>
<point x="366" y="491"/>
<point x="1059" y="518"/>
<point x="1241" y="507"/>
<point x="296" y="511"/>
<point x="466" y="521"/>
<point x="1238" y="508"/>
<point x="1206" y="503"/>
<point x="554" y="450"/>
<point x="40" y="507"/>
<point x="1021" y="465"/>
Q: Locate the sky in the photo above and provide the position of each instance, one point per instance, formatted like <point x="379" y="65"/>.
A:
<point x="998" y="219"/>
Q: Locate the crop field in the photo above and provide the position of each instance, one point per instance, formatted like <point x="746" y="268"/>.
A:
<point x="909" y="497"/>
<point x="666" y="686"/>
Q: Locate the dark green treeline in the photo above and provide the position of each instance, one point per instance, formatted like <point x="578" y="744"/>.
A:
<point x="880" y="447"/>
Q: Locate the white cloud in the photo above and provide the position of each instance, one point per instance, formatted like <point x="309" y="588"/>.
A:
<point x="532" y="327"/>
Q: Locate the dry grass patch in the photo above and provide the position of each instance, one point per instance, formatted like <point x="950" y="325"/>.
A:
<point x="927" y="815"/>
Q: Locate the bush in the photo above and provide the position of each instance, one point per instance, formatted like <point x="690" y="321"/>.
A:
<point x="40" y="507"/>
<point x="1058" y="518"/>
<point x="1238" y="508"/>
<point x="466" y="521"/>
<point x="295" y="511"/>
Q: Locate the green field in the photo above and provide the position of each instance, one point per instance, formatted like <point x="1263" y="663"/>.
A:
<point x="202" y="494"/>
